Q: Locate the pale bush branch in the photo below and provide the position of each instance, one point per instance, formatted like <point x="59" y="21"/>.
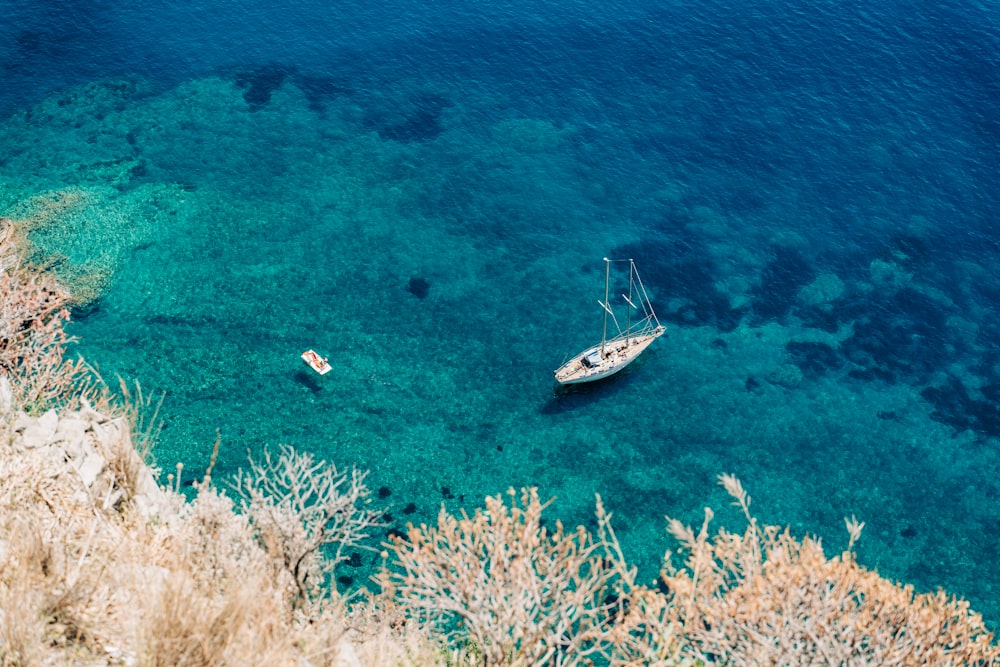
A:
<point x="854" y="528"/>
<point x="85" y="579"/>
<point x="523" y="594"/>
<point x="299" y="506"/>
<point x="143" y="414"/>
<point x="765" y="597"/>
<point x="34" y="308"/>
<point x="33" y="340"/>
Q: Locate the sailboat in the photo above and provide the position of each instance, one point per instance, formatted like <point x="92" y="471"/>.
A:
<point x="615" y="353"/>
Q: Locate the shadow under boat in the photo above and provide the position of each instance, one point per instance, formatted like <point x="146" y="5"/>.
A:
<point x="569" y="397"/>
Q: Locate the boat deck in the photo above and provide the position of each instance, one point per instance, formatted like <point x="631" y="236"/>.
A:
<point x="618" y="353"/>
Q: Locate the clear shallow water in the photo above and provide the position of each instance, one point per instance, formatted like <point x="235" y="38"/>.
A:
<point x="809" y="191"/>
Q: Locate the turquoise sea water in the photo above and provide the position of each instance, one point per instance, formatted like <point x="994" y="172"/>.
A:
<point x="424" y="192"/>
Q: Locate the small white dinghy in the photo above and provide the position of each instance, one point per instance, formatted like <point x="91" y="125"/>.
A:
<point x="318" y="363"/>
<point x="614" y="354"/>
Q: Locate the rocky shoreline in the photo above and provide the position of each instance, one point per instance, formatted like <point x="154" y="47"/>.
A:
<point x="93" y="552"/>
<point x="90" y="446"/>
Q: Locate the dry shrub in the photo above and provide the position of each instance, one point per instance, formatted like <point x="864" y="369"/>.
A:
<point x="34" y="309"/>
<point x="216" y="597"/>
<point x="377" y="631"/>
<point x="33" y="312"/>
<point x="81" y="582"/>
<point x="522" y="594"/>
<point x="131" y="456"/>
<point x="43" y="211"/>
<point x="22" y="596"/>
<point x="205" y="593"/>
<point x="51" y="590"/>
<point x="763" y="597"/>
<point x="305" y="514"/>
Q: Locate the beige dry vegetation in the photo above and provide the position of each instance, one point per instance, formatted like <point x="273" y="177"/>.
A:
<point x="45" y="211"/>
<point x="297" y="506"/>
<point x="91" y="575"/>
<point x="33" y="309"/>
<point x="100" y="565"/>
<point x="525" y="595"/>
<point x="764" y="597"/>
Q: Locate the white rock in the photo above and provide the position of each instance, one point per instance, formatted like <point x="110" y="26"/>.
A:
<point x="55" y="457"/>
<point x="145" y="506"/>
<point x="149" y="499"/>
<point x="6" y="398"/>
<point x="147" y="485"/>
<point x="74" y="449"/>
<point x="111" y="436"/>
<point x="90" y="467"/>
<point x="89" y="414"/>
<point x="22" y="421"/>
<point x="346" y="657"/>
<point x="72" y="432"/>
<point x="41" y="431"/>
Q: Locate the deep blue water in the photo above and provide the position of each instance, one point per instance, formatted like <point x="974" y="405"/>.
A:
<point x="809" y="190"/>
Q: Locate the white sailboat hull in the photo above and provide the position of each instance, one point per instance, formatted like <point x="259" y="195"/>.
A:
<point x="619" y="352"/>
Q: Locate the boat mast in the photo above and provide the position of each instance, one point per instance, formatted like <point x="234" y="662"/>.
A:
<point x="607" y="275"/>
<point x="631" y="273"/>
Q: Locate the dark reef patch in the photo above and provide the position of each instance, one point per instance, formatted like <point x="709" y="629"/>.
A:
<point x="872" y="374"/>
<point x="950" y="402"/>
<point x="418" y="119"/>
<point x="681" y="267"/>
<point x="825" y="319"/>
<point x="787" y="272"/>
<point x="418" y="287"/>
<point x="30" y="43"/>
<point x="956" y="407"/>
<point x="319" y="89"/>
<point x="903" y="336"/>
<point x="814" y="358"/>
<point x="82" y="311"/>
<point x="259" y="83"/>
